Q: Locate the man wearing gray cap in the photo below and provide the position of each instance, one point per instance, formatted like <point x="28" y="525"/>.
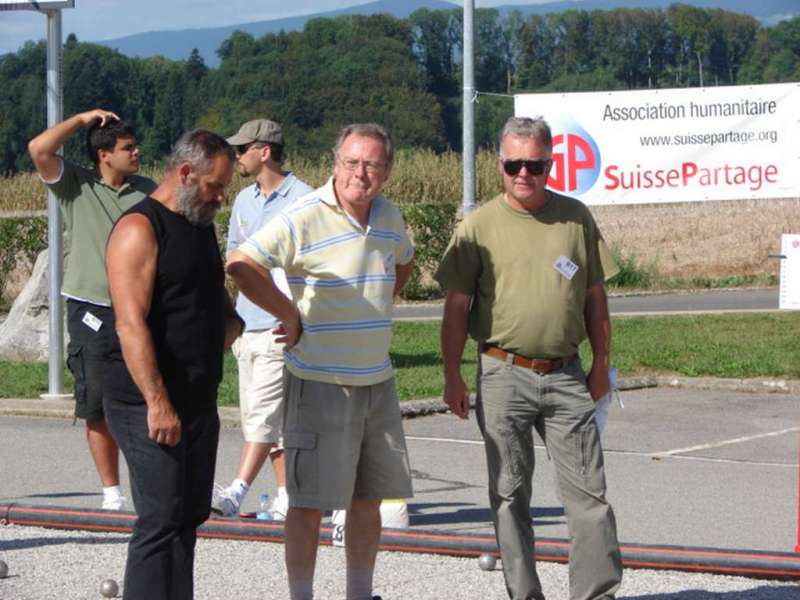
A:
<point x="259" y="152"/>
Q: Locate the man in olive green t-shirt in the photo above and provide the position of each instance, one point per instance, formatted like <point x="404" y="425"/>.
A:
<point x="91" y="201"/>
<point x="524" y="276"/>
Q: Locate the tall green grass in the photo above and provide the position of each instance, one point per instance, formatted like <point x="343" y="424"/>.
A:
<point x="418" y="175"/>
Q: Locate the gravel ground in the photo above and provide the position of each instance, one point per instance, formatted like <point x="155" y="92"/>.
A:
<point x="48" y="563"/>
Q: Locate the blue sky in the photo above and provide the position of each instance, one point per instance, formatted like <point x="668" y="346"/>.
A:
<point x="93" y="20"/>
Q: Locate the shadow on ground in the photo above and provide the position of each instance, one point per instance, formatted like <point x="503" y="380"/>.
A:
<point x="65" y="495"/>
<point x="785" y="592"/>
<point x="27" y="544"/>
<point x="420" y="514"/>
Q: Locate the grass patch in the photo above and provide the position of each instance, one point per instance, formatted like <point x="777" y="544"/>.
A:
<point x="27" y="379"/>
<point x="729" y="345"/>
<point x="417" y="359"/>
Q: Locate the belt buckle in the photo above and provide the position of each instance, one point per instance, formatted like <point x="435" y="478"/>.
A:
<point x="535" y="369"/>
<point x="550" y="366"/>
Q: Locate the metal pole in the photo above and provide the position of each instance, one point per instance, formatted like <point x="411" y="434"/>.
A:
<point x="468" y="152"/>
<point x="54" y="245"/>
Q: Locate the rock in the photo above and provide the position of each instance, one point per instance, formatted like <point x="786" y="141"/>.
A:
<point x="24" y="333"/>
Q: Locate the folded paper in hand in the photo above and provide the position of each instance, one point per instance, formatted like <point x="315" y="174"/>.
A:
<point x="602" y="405"/>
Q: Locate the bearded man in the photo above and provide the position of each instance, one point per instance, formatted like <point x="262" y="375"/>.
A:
<point x="173" y="320"/>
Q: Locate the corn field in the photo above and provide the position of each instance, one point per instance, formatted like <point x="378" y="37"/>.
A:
<point x="693" y="239"/>
<point x="417" y="176"/>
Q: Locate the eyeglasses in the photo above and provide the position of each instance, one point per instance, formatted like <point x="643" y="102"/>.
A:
<point x="244" y="148"/>
<point x="534" y="167"/>
<point x="351" y="164"/>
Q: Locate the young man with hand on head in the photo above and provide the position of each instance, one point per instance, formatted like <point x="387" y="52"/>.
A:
<point x="91" y="201"/>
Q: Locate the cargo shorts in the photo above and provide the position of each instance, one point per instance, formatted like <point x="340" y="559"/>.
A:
<point x="90" y="333"/>
<point x="343" y="443"/>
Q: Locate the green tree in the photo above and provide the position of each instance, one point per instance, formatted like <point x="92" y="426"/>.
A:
<point x="774" y="56"/>
<point x="737" y="34"/>
<point x="694" y="30"/>
<point x="537" y="42"/>
<point x="23" y="104"/>
<point x="435" y="36"/>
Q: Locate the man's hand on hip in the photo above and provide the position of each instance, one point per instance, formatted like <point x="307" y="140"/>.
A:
<point x="289" y="331"/>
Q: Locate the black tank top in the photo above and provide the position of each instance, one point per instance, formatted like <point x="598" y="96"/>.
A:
<point x="187" y="316"/>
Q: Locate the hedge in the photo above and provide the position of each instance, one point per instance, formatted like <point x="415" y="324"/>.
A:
<point x="430" y="226"/>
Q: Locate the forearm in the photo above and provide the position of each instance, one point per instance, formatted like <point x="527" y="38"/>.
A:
<point x="598" y="326"/>
<point x="234" y="325"/>
<point x="402" y="274"/>
<point x="257" y="285"/>
<point x="454" y="334"/>
<point x="47" y="143"/>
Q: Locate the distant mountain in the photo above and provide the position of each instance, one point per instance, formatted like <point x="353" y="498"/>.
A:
<point x="768" y="12"/>
<point x="177" y="45"/>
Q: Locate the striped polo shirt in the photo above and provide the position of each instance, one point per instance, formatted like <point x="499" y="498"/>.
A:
<point x="342" y="278"/>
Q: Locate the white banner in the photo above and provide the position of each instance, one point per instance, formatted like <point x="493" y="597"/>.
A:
<point x="676" y="145"/>
<point x="790" y="272"/>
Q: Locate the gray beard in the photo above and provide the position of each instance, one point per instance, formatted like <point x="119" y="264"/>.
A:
<point x="189" y="205"/>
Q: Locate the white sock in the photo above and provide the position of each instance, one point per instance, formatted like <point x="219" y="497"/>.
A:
<point x="359" y="584"/>
<point x="240" y="488"/>
<point x="112" y="492"/>
<point x="282" y="492"/>
<point x="301" y="589"/>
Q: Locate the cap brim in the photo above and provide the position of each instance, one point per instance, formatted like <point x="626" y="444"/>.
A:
<point x="238" y="139"/>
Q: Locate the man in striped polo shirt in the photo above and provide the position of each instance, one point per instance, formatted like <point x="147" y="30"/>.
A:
<point x="346" y="254"/>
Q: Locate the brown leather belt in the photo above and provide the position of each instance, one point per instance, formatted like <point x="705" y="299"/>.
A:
<point x="538" y="365"/>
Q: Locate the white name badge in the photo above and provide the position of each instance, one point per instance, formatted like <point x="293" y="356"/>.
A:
<point x="91" y="321"/>
<point x="566" y="267"/>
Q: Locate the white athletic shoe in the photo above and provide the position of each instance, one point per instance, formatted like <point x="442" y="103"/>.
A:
<point x="118" y="503"/>
<point x="224" y="502"/>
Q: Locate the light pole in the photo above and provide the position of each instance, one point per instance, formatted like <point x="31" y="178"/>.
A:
<point x="468" y="76"/>
<point x="55" y="385"/>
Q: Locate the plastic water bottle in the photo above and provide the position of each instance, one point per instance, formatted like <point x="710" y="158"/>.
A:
<point x="264" y="513"/>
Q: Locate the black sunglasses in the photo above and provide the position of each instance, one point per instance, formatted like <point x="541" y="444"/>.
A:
<point x="243" y="148"/>
<point x="534" y="167"/>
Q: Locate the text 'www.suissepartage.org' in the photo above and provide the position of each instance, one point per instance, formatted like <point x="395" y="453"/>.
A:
<point x="711" y="138"/>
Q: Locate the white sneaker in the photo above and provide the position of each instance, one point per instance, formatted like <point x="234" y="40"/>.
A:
<point x="118" y="503"/>
<point x="279" y="507"/>
<point x="224" y="501"/>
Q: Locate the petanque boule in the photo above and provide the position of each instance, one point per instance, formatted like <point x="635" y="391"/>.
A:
<point x="109" y="588"/>
<point x="3" y="569"/>
<point x="487" y="562"/>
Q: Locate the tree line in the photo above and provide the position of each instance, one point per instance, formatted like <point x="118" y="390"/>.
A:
<point x="404" y="73"/>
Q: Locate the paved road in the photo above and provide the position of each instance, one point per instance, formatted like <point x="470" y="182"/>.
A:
<point x="684" y="467"/>
<point x="707" y="301"/>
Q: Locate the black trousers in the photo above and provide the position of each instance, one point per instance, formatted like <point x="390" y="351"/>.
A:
<point x="171" y="488"/>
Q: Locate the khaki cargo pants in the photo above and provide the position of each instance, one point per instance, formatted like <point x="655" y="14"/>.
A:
<point x="512" y="401"/>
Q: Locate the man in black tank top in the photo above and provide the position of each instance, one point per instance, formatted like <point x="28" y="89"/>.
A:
<point x="173" y="320"/>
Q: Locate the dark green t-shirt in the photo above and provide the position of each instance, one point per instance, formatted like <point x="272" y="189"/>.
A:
<point x="90" y="208"/>
<point x="507" y="261"/>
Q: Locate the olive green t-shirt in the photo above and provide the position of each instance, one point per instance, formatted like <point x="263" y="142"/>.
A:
<point x="507" y="261"/>
<point x="90" y="208"/>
